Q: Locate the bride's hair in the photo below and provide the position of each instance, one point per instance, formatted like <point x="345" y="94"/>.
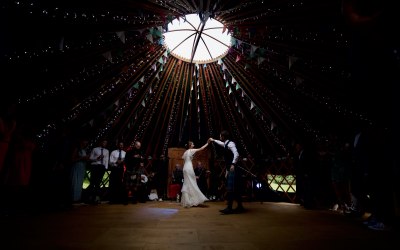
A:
<point x="187" y="145"/>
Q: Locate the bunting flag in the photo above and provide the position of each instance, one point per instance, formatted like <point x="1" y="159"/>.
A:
<point x="161" y="60"/>
<point x="198" y="82"/>
<point x="170" y="18"/>
<point x="292" y="60"/>
<point x="227" y="84"/>
<point x="61" y="44"/>
<point x="237" y="86"/>
<point x="143" y="103"/>
<point x="251" y="105"/>
<point x="224" y="68"/>
<point x="157" y="76"/>
<point x="116" y="103"/>
<point x="247" y="66"/>
<point x="154" y="67"/>
<point x="230" y="91"/>
<point x="108" y="56"/>
<point x="273" y="125"/>
<point x="253" y="50"/>
<point x="260" y="60"/>
<point x="157" y="33"/>
<point x="136" y="86"/>
<point x="121" y="36"/>
<point x="166" y="53"/>
<point x="150" y="90"/>
<point x="142" y="79"/>
<point x="233" y="80"/>
<point x="237" y="58"/>
<point x="219" y="61"/>
<point x="233" y="41"/>
<point x="149" y="37"/>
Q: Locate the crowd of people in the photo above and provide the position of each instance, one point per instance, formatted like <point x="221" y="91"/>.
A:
<point x="355" y="184"/>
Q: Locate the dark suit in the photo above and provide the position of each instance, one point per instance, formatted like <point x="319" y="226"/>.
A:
<point x="234" y="184"/>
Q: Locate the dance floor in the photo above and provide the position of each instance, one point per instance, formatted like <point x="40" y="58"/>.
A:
<point x="167" y="225"/>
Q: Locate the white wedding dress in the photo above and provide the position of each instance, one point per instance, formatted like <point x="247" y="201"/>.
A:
<point x="191" y="194"/>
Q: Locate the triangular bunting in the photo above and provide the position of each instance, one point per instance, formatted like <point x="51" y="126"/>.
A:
<point x="251" y="105"/>
<point x="149" y="37"/>
<point x="61" y="44"/>
<point x="260" y="60"/>
<point x="292" y="60"/>
<point x="108" y="56"/>
<point x="237" y="58"/>
<point x="121" y="36"/>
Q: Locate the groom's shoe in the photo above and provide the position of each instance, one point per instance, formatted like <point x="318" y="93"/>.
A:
<point x="226" y="211"/>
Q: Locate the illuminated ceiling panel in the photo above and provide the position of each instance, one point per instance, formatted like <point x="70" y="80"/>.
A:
<point x="197" y="40"/>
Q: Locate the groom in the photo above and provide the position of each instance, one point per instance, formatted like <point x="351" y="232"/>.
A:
<point x="232" y="174"/>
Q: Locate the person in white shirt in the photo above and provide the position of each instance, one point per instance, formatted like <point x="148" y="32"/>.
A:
<point x="232" y="173"/>
<point x="117" y="158"/>
<point x="100" y="157"/>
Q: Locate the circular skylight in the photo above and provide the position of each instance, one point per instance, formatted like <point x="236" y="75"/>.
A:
<point x="197" y="39"/>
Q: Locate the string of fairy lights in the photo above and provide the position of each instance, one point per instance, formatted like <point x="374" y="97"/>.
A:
<point x="263" y="117"/>
<point x="174" y="7"/>
<point x="277" y="104"/>
<point x="80" y="16"/>
<point x="87" y="74"/>
<point x="328" y="71"/>
<point x="152" y="102"/>
<point x="62" y="47"/>
<point x="227" y="106"/>
<point x="96" y="97"/>
<point x="248" y="71"/>
<point x="176" y="102"/>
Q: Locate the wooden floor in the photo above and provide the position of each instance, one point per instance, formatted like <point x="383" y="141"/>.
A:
<point x="167" y="225"/>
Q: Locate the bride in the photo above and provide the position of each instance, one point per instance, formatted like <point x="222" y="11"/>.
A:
<point x="191" y="194"/>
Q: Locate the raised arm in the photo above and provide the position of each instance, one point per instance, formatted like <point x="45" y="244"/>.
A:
<point x="199" y="149"/>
